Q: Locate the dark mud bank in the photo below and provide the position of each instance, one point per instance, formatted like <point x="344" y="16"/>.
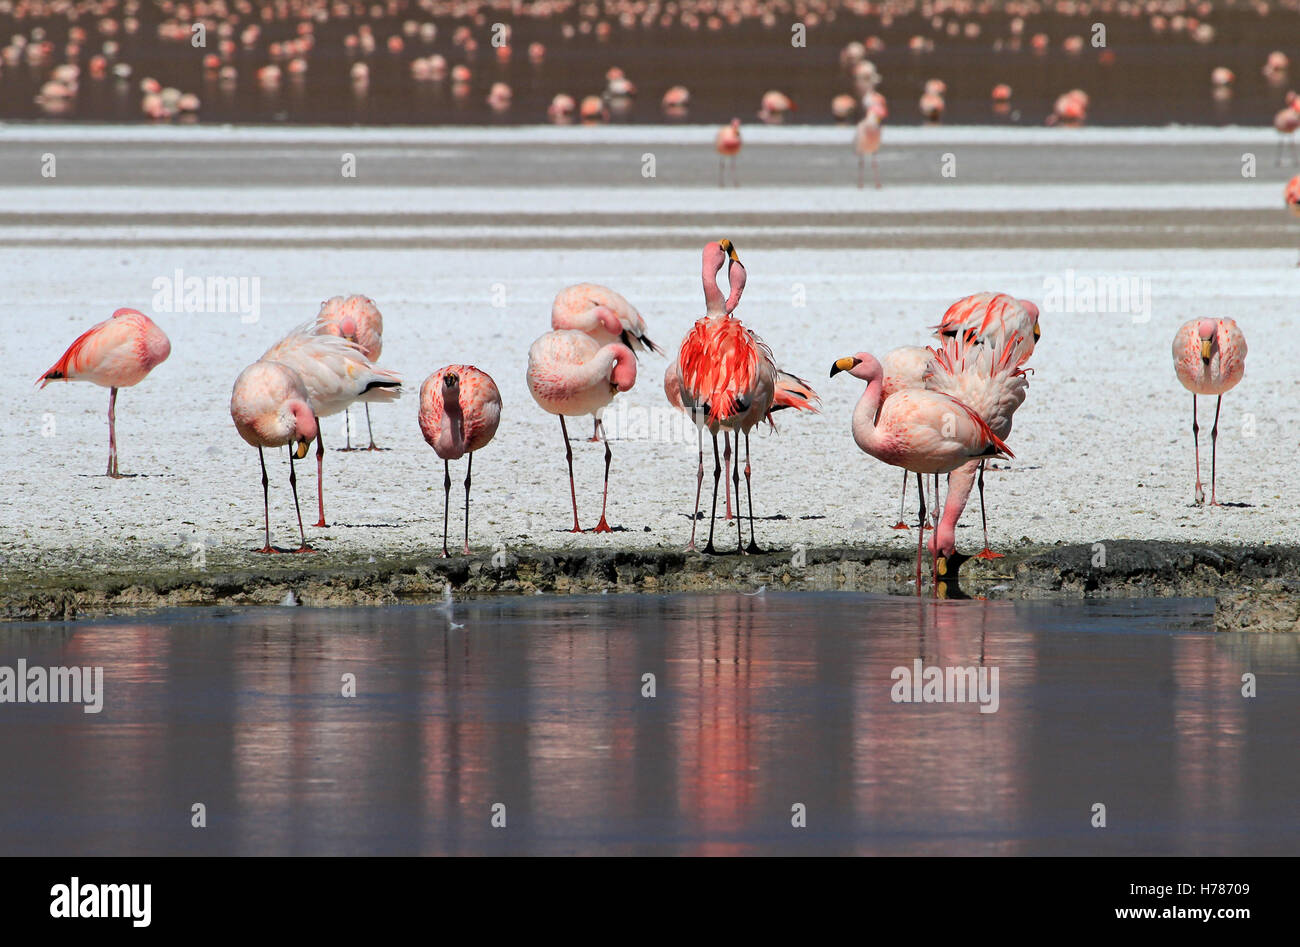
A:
<point x="1255" y="588"/>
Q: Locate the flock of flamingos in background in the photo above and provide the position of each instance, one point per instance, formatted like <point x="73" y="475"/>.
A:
<point x="942" y="409"/>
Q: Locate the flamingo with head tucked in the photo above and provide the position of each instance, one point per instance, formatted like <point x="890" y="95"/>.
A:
<point x="460" y="408"/>
<point x="271" y="408"/>
<point x="116" y="353"/>
<point x="1209" y="359"/>
<point x="571" y="374"/>
<point x="357" y="319"/>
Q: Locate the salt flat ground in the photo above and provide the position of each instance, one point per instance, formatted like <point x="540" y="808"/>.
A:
<point x="464" y="267"/>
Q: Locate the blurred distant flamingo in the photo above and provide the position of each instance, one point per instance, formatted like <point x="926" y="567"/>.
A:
<point x="570" y="373"/>
<point x="604" y="315"/>
<point x="460" y="408"/>
<point x="116" y="353"/>
<point x="926" y="432"/>
<point x="727" y="144"/>
<point x="1286" y="122"/>
<point x="1209" y="359"/>
<point x="728" y="379"/>
<point x="271" y="408"/>
<point x="866" y="141"/>
<point x="357" y="319"/>
<point x="1292" y="197"/>
<point x="336" y="373"/>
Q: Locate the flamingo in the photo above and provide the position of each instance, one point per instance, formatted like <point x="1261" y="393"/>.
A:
<point x="570" y="373"/>
<point x="1286" y="121"/>
<point x="728" y="379"/>
<point x="116" y="353"/>
<point x="271" y="407"/>
<point x="1292" y="197"/>
<point x="460" y="408"/>
<point x="1209" y="359"/>
<point x="727" y="144"/>
<point x="866" y="141"/>
<point x="920" y="430"/>
<point x="988" y="378"/>
<point x="604" y="315"/>
<point x="357" y="319"/>
<point x="904" y="368"/>
<point x="336" y="373"/>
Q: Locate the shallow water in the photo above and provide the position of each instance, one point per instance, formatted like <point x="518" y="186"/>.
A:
<point x="761" y="702"/>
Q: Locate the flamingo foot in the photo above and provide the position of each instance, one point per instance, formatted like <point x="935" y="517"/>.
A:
<point x="115" y="475"/>
<point x="467" y="552"/>
<point x="347" y="450"/>
<point x="576" y="529"/>
<point x="267" y="550"/>
<point x="602" y="526"/>
<point x="987" y="553"/>
<point x="374" y="447"/>
<point x="321" y="523"/>
<point x="752" y="549"/>
<point x="709" y="550"/>
<point x="928" y="526"/>
<point x="900" y="525"/>
<point x="303" y="548"/>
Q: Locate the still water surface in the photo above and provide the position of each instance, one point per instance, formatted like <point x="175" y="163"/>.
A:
<point x="761" y="702"/>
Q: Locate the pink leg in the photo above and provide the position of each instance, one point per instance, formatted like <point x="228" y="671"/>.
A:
<point x="1214" y="445"/>
<point x="875" y="171"/>
<point x="986" y="552"/>
<point x="699" y="485"/>
<point x="735" y="476"/>
<point x="901" y="500"/>
<point x="603" y="526"/>
<point x="862" y="171"/>
<point x="112" y="434"/>
<point x="920" y="532"/>
<point x="749" y="495"/>
<point x="595" y="429"/>
<point x="320" y="478"/>
<point x="573" y="493"/>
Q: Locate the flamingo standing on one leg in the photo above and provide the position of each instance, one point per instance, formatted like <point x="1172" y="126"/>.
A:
<point x="604" y="315"/>
<point x="988" y="377"/>
<point x="357" y="319"/>
<point x="1292" y="197"/>
<point x="866" y="141"/>
<point x="336" y="373"/>
<point x="923" y="431"/>
<point x="727" y="144"/>
<point x="728" y="377"/>
<point x="117" y="353"/>
<point x="460" y="408"/>
<point x="570" y="373"/>
<point x="1209" y="359"/>
<point x="271" y="407"/>
<point x="1286" y="121"/>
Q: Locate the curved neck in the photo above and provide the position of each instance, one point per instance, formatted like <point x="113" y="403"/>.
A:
<point x="714" y="303"/>
<point x="864" y="417"/>
<point x="451" y="436"/>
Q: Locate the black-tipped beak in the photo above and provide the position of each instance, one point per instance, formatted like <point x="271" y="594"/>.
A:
<point x="844" y="365"/>
<point x="450" y="379"/>
<point x="1037" y="332"/>
<point x="949" y="566"/>
<point x="298" y="449"/>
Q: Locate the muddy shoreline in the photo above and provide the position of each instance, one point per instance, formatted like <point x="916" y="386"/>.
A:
<point x="1256" y="588"/>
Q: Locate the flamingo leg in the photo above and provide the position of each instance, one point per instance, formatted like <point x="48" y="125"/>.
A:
<point x="862" y="171"/>
<point x="699" y="486"/>
<point x="735" y="175"/>
<point x="371" y="431"/>
<point x="875" y="171"/>
<point x="920" y="532"/>
<point x="726" y="463"/>
<point x="347" y="427"/>
<point x="595" y="429"/>
<point x="1214" y="444"/>
<point x="320" y="475"/>
<point x="749" y="494"/>
<point x="901" y="500"/>
<point x="735" y="476"/>
<point x="293" y="485"/>
<point x="603" y="525"/>
<point x="112" y="434"/>
<point x="934" y="560"/>
<point x="266" y="503"/>
<point x="722" y="171"/>
<point x="573" y="493"/>
<point x="446" y="503"/>
<point x="717" y="472"/>
<point x="986" y="552"/>
<point x="468" y="469"/>
<point x="1196" y="443"/>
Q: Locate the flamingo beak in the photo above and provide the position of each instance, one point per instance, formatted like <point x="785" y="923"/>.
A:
<point x="730" y="249"/>
<point x="947" y="566"/>
<point x="1206" y="345"/>
<point x="1037" y="333"/>
<point x="844" y="365"/>
<point x="298" y="449"/>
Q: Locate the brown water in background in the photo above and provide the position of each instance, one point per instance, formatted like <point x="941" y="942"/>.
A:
<point x="1153" y="79"/>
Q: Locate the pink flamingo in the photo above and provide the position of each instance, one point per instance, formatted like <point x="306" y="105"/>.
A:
<point x="271" y="408"/>
<point x="460" y="408"/>
<point x="1292" y="197"/>
<point x="727" y="144"/>
<point x="570" y="373"/>
<point x="1209" y="359"/>
<point x="866" y="141"/>
<point x="904" y="367"/>
<point x="922" y="431"/>
<point x="117" y="353"/>
<point x="604" y="315"/>
<point x="1286" y="121"/>
<point x="357" y="319"/>
<point x="988" y="378"/>
<point x="728" y="379"/>
<point x="336" y="373"/>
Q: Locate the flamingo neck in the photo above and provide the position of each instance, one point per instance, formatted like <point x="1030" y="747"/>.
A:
<point x="714" y="301"/>
<point x="865" y="432"/>
<point x="451" y="436"/>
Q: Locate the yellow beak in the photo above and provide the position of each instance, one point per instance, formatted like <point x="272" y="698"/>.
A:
<point x="843" y="365"/>
<point x="299" y="449"/>
<point x="1205" y="349"/>
<point x="1037" y="332"/>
